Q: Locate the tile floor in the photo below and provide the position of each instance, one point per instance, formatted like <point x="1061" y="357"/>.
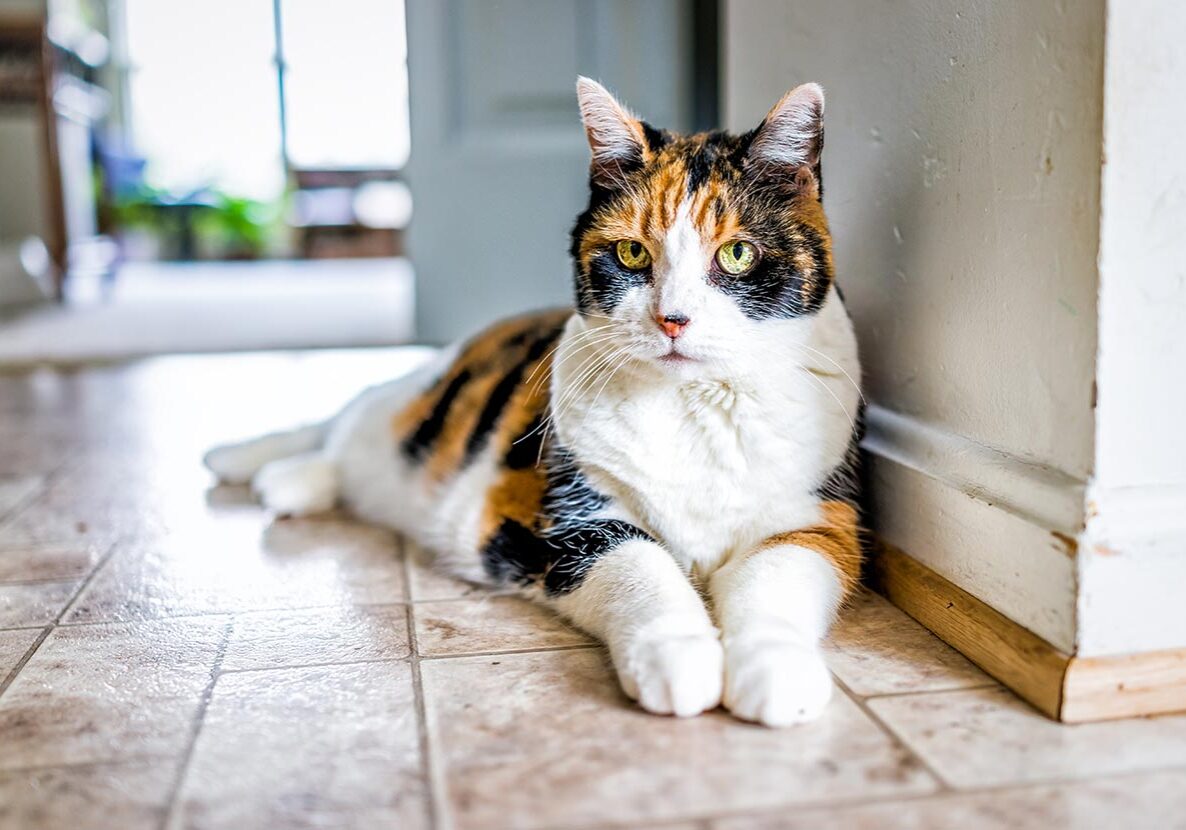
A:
<point x="170" y="658"/>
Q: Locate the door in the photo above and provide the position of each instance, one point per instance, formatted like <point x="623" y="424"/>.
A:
<point x="499" y="160"/>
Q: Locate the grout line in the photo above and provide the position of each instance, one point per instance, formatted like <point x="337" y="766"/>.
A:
<point x="48" y="629"/>
<point x="20" y="664"/>
<point x="131" y="760"/>
<point x="509" y="652"/>
<point x="46" y="580"/>
<point x="39" y="490"/>
<point x="437" y="801"/>
<point x="171" y="816"/>
<point x="325" y="665"/>
<point x="894" y="737"/>
<point x="288" y="609"/>
<point x="992" y="684"/>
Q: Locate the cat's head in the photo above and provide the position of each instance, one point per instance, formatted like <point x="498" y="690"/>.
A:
<point x="696" y="250"/>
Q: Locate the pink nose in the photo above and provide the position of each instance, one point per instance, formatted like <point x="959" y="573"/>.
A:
<point x="673" y="325"/>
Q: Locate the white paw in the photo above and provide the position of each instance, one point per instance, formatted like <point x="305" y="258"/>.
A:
<point x="298" y="486"/>
<point x="776" y="682"/>
<point x="232" y="463"/>
<point x="673" y="674"/>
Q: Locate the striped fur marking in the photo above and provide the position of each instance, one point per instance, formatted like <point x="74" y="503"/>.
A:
<point x="447" y="426"/>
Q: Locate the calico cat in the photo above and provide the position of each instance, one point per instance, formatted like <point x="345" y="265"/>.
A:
<point x="673" y="465"/>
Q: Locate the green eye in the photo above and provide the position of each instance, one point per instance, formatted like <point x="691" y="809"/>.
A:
<point x="737" y="257"/>
<point x="633" y="254"/>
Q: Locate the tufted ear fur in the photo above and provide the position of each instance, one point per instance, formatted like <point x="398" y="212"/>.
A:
<point x="616" y="137"/>
<point x="790" y="140"/>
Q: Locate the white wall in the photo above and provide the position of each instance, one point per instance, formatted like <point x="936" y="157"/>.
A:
<point x="1133" y="560"/>
<point x="961" y="179"/>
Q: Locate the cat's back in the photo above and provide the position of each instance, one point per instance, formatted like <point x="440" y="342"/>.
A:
<point x="425" y="454"/>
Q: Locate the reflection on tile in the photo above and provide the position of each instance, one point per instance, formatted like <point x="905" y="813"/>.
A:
<point x="13" y="645"/>
<point x="25" y="564"/>
<point x="1152" y="800"/>
<point x="987" y="737"/>
<point x="108" y="692"/>
<point x="334" y="746"/>
<point x="492" y="623"/>
<point x="543" y="739"/>
<point x="15" y="490"/>
<point x="34" y="603"/>
<point x="877" y="649"/>
<point x="104" y="796"/>
<point x="428" y="583"/>
<point x="275" y="639"/>
<point x="238" y="562"/>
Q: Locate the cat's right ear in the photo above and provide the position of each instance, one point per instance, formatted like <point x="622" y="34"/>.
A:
<point x="616" y="137"/>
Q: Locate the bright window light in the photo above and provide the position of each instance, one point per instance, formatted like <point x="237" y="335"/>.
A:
<point x="345" y="84"/>
<point x="205" y="109"/>
<point x="204" y="91"/>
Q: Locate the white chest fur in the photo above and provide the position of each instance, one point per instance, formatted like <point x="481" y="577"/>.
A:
<point x="717" y="463"/>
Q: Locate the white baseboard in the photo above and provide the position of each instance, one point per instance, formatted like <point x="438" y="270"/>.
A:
<point x="1000" y="528"/>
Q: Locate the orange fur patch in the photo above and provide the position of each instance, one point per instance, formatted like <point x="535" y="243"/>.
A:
<point x="836" y="538"/>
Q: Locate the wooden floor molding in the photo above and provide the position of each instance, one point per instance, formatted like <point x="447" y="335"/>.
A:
<point x="1062" y="686"/>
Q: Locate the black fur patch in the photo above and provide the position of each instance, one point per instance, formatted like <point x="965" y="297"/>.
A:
<point x="779" y="287"/>
<point x="570" y="541"/>
<point x="501" y="394"/>
<point x="418" y="445"/>
<point x="515" y="554"/>
<point x="606" y="283"/>
<point x="526" y="449"/>
<point x="580" y="547"/>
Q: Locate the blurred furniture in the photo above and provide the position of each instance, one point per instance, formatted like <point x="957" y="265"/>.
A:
<point x="349" y="213"/>
<point x="48" y="108"/>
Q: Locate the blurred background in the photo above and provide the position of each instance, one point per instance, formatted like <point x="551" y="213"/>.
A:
<point x="241" y="174"/>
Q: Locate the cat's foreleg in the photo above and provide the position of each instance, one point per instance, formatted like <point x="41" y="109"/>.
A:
<point x="638" y="601"/>
<point x="774" y="604"/>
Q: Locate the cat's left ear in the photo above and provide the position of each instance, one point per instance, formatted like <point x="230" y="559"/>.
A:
<point x="790" y="140"/>
<point x="616" y="137"/>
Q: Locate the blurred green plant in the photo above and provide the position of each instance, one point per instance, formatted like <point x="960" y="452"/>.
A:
<point x="231" y="227"/>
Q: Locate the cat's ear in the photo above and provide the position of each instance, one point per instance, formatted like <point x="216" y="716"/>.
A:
<point x="616" y="137"/>
<point x="790" y="140"/>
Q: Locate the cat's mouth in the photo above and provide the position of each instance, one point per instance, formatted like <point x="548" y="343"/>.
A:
<point x="676" y="357"/>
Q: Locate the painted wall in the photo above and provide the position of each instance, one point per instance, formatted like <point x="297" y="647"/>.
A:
<point x="1133" y="560"/>
<point x="962" y="181"/>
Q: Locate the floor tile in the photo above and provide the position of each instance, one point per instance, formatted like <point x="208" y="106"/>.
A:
<point x="334" y="746"/>
<point x="239" y="562"/>
<point x="428" y="583"/>
<point x="276" y="639"/>
<point x="26" y="564"/>
<point x="492" y="623"/>
<point x="34" y="603"/>
<point x="546" y="739"/>
<point x="13" y="645"/>
<point x="99" y="797"/>
<point x="987" y="737"/>
<point x="1156" y="800"/>
<point x="876" y="649"/>
<point x="16" y="490"/>
<point x="109" y="692"/>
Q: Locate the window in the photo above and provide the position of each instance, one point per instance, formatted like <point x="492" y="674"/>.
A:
<point x="204" y="84"/>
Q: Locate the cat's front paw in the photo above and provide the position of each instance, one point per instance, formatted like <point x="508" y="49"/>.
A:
<point x="673" y="673"/>
<point x="776" y="682"/>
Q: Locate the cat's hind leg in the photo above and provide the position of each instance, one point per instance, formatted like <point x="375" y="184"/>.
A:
<point x="299" y="485"/>
<point x="238" y="463"/>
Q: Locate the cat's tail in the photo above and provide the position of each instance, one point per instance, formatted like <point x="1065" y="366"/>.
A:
<point x="238" y="463"/>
